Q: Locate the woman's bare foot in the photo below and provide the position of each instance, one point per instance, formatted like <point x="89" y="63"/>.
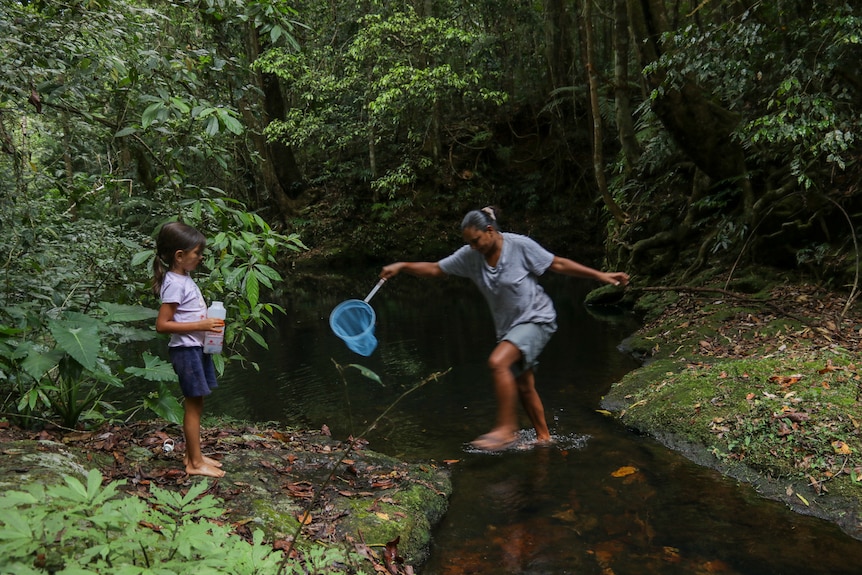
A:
<point x="495" y="440"/>
<point x="204" y="469"/>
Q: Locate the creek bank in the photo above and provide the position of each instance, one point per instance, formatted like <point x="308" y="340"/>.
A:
<point x="273" y="476"/>
<point x="762" y="385"/>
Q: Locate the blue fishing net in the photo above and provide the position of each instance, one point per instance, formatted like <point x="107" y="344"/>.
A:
<point x="353" y="321"/>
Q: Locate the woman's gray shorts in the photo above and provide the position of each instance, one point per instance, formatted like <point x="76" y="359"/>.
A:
<point x="530" y="339"/>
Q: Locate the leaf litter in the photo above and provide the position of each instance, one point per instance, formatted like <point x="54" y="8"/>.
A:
<point x="291" y="464"/>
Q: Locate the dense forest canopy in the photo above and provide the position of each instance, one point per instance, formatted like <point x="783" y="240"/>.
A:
<point x="678" y="135"/>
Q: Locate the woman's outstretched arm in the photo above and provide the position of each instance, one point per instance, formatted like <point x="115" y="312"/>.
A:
<point x="569" y="267"/>
<point x="421" y="269"/>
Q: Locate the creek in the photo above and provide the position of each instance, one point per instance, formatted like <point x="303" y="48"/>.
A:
<point x="601" y="500"/>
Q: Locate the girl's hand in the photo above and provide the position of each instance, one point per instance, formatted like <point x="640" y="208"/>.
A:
<point x="213" y="324"/>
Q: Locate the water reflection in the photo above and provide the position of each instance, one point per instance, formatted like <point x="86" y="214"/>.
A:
<point x="602" y="500"/>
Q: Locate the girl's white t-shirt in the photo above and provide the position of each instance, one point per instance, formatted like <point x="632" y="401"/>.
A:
<point x="183" y="291"/>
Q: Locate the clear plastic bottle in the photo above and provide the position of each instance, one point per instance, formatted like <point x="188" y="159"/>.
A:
<point x="213" y="340"/>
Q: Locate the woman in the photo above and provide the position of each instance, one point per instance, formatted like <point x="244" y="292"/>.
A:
<point x="505" y="267"/>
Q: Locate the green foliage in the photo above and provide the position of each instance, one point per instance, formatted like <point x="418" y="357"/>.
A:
<point x="144" y="96"/>
<point x="788" y="86"/>
<point x="80" y="528"/>
<point x="398" y="81"/>
<point x="60" y="338"/>
<point x="61" y="365"/>
<point x="242" y="254"/>
<point x="274" y="20"/>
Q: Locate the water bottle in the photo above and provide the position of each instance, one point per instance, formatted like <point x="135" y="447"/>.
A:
<point x="213" y="340"/>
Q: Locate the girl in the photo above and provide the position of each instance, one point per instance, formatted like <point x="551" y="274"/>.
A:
<point x="505" y="267"/>
<point x="183" y="314"/>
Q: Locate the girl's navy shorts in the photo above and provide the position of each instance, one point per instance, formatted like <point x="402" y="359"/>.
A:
<point x="195" y="370"/>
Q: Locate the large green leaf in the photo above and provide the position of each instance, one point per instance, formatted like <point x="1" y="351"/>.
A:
<point x="125" y="334"/>
<point x="123" y="313"/>
<point x="151" y="114"/>
<point x="252" y="289"/>
<point x="37" y="363"/>
<point x="165" y="405"/>
<point x="155" y="369"/>
<point x="79" y="339"/>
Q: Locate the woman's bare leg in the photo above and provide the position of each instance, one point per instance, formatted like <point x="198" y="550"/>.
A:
<point x="533" y="405"/>
<point x="505" y="429"/>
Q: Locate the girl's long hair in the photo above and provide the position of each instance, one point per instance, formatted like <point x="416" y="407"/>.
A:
<point x="173" y="237"/>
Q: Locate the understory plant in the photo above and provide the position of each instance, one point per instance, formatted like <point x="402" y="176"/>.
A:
<point x="85" y="528"/>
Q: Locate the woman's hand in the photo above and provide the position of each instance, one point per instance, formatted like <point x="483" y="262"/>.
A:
<point x="617" y="278"/>
<point x="391" y="270"/>
<point x="421" y="269"/>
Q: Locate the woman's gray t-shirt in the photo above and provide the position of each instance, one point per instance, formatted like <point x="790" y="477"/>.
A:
<point x="511" y="287"/>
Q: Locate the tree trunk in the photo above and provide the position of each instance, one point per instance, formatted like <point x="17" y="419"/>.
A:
<point x="560" y="54"/>
<point x="280" y="172"/>
<point x="701" y="128"/>
<point x="598" y="136"/>
<point x="625" y="126"/>
<point x="283" y="160"/>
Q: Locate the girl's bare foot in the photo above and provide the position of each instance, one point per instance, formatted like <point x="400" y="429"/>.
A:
<point x="204" y="469"/>
<point x="207" y="460"/>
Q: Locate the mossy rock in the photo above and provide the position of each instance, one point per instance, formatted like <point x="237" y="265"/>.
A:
<point x="274" y="480"/>
<point x="369" y="496"/>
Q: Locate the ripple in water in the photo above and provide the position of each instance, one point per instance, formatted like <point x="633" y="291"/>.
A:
<point x="527" y="440"/>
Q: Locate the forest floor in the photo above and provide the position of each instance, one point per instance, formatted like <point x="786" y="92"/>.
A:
<point x="377" y="507"/>
<point x="760" y="381"/>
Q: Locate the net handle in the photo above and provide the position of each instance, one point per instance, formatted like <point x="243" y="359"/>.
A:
<point x="374" y="290"/>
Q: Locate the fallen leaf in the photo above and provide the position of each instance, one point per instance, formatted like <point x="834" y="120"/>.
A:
<point x="304" y="518"/>
<point x="841" y="448"/>
<point x="390" y="556"/>
<point x="302" y="489"/>
<point x="786" y="380"/>
<point x="624" y="471"/>
<point x="280" y="436"/>
<point x="151" y="526"/>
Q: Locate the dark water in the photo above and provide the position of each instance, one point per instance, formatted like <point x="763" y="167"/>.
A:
<point x="603" y="500"/>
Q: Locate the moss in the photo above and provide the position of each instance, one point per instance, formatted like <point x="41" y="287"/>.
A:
<point x="272" y="476"/>
<point x="767" y="398"/>
<point x="36" y="462"/>
<point x="408" y="510"/>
